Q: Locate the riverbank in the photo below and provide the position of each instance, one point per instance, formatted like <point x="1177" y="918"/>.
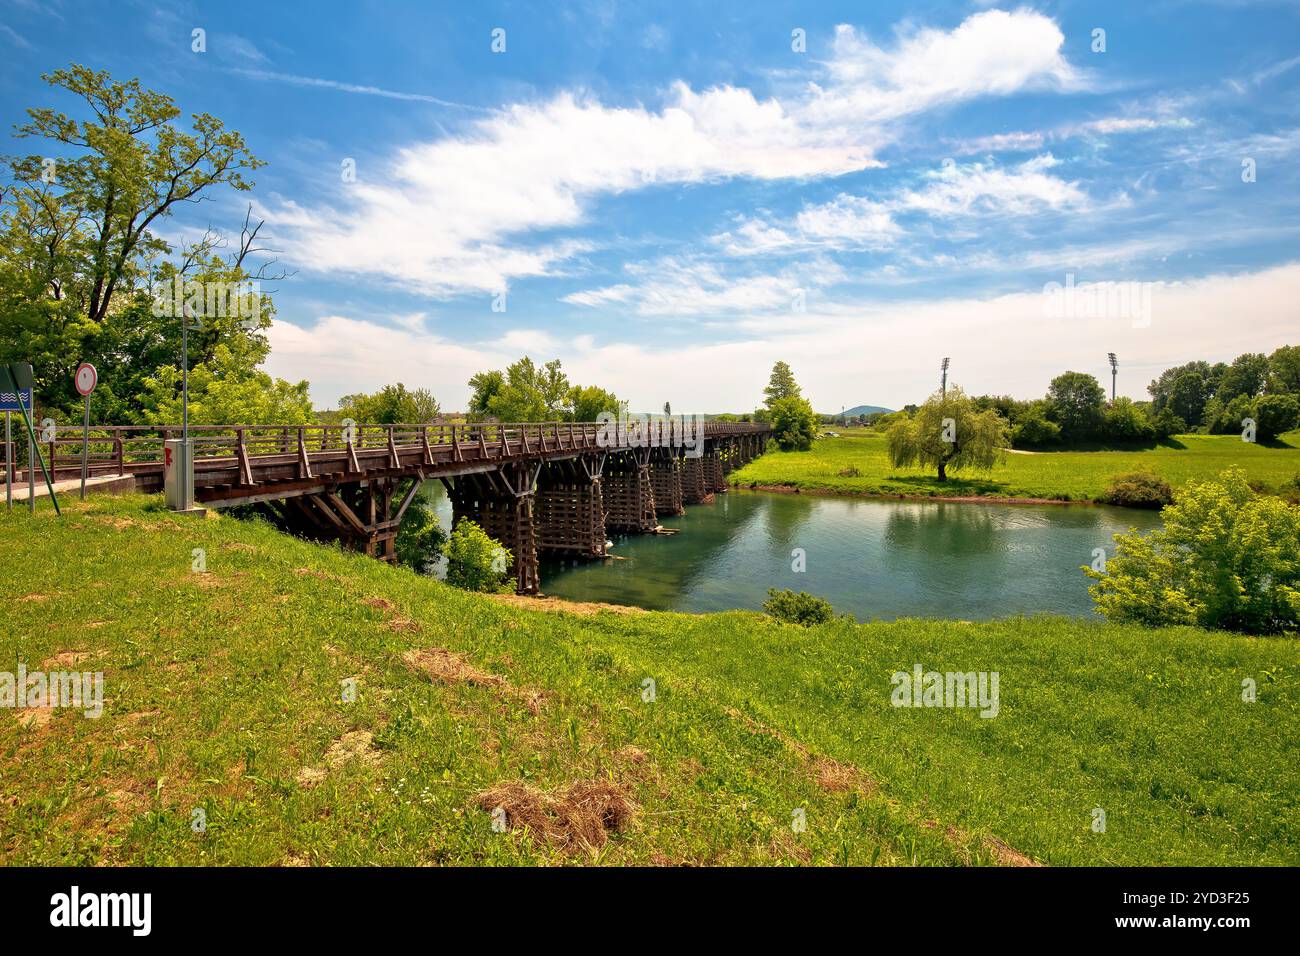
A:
<point x="858" y="464"/>
<point x="880" y="496"/>
<point x="320" y="707"/>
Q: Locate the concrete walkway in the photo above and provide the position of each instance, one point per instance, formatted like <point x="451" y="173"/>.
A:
<point x="71" y="487"/>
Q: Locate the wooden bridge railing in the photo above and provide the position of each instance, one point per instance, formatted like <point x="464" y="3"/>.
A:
<point x="120" y="448"/>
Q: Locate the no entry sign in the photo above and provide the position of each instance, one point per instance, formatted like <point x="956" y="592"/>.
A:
<point x="87" y="378"/>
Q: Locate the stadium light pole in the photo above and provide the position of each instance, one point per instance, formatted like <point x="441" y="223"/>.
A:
<point x="1114" y="370"/>
<point x="943" y="383"/>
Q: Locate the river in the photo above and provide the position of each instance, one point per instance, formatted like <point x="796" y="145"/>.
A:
<point x="872" y="558"/>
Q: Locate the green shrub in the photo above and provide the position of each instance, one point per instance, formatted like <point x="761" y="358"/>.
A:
<point x="797" y="608"/>
<point x="1139" y="489"/>
<point x="1226" y="558"/>
<point x="474" y="561"/>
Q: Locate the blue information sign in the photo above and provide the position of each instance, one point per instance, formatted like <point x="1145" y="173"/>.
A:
<point x="9" y="400"/>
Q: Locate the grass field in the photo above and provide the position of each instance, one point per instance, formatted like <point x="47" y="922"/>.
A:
<point x="224" y="693"/>
<point x="1061" y="475"/>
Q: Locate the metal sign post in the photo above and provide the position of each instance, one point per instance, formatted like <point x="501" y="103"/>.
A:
<point x="9" y="462"/>
<point x="17" y="377"/>
<point x="86" y="379"/>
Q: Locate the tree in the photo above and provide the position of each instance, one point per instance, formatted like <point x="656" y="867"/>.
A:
<point x="586" y="403"/>
<point x="948" y="434"/>
<point x="1245" y="376"/>
<point x="486" y="386"/>
<point x="76" y="237"/>
<point x="1276" y="414"/>
<point x="794" y="423"/>
<point x="228" y="390"/>
<point x="780" y="385"/>
<point x="1185" y="389"/>
<point x="1284" y="370"/>
<point x="1225" y="558"/>
<point x="1075" y="401"/>
<point x="391" y="405"/>
<point x="1125" y="420"/>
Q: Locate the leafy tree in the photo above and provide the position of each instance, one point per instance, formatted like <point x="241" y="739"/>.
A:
<point x="420" y="538"/>
<point x="1225" y="417"/>
<point x="586" y="403"/>
<point x="391" y="405"/>
<point x="780" y="385"/>
<point x="474" y="561"/>
<point x="948" y="434"/>
<point x="1225" y="558"/>
<point x="794" y="423"/>
<point x="1075" y="402"/>
<point x="76" y="238"/>
<point x="1185" y="389"/>
<point x="1284" y="370"/>
<point x="228" y="390"/>
<point x="1246" y="376"/>
<point x="486" y="386"/>
<point x="1276" y="414"/>
<point x="1125" y="420"/>
<point x="1033" y="429"/>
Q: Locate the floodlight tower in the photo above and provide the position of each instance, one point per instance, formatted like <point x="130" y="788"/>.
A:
<point x="1114" y="370"/>
<point x="943" y="384"/>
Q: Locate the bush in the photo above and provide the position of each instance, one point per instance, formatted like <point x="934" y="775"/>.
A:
<point x="1226" y="558"/>
<point x="1166" y="424"/>
<point x="1139" y="489"/>
<point x="801" y="608"/>
<point x="474" y="561"/>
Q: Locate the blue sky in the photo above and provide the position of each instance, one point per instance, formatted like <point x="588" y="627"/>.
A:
<point x="672" y="196"/>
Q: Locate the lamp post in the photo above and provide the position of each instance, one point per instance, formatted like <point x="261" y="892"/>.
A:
<point x="943" y="384"/>
<point x="1114" y="370"/>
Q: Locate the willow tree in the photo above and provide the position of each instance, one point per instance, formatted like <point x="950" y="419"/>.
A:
<point x="947" y="433"/>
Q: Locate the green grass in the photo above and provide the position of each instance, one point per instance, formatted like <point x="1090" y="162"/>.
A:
<point x="222" y="687"/>
<point x="1061" y="475"/>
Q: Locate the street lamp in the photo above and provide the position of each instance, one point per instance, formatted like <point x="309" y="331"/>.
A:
<point x="943" y="385"/>
<point x="1114" y="370"/>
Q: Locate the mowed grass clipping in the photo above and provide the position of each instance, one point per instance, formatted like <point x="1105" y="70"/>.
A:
<point x="858" y="463"/>
<point x="224" y="693"/>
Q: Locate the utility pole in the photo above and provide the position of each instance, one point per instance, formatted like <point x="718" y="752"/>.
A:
<point x="1114" y="370"/>
<point x="943" y="385"/>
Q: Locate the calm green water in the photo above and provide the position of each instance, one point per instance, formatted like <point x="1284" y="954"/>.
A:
<point x="871" y="558"/>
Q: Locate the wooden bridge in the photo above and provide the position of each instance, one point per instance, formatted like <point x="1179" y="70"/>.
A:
<point x="551" y="487"/>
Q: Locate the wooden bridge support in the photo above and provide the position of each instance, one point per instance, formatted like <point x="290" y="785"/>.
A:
<point x="715" y="480"/>
<point x="360" y="514"/>
<point x="501" y="502"/>
<point x="666" y="481"/>
<point x="569" y="513"/>
<point x="695" y="487"/>
<point x="629" y="492"/>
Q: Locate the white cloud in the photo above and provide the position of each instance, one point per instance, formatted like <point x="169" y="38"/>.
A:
<point x="883" y="353"/>
<point x="454" y="215"/>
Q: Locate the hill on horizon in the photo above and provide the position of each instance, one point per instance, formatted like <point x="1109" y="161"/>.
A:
<point x="857" y="410"/>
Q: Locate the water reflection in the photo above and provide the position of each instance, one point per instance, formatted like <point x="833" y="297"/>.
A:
<point x="872" y="558"/>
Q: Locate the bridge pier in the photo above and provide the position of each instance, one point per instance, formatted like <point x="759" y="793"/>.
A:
<point x="629" y="492"/>
<point x="695" y="486"/>
<point x="570" y="512"/>
<point x="501" y="502"/>
<point x="666" y="481"/>
<point x="714" y="478"/>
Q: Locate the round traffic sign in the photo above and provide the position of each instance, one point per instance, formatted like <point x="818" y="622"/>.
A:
<point x="86" y="378"/>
